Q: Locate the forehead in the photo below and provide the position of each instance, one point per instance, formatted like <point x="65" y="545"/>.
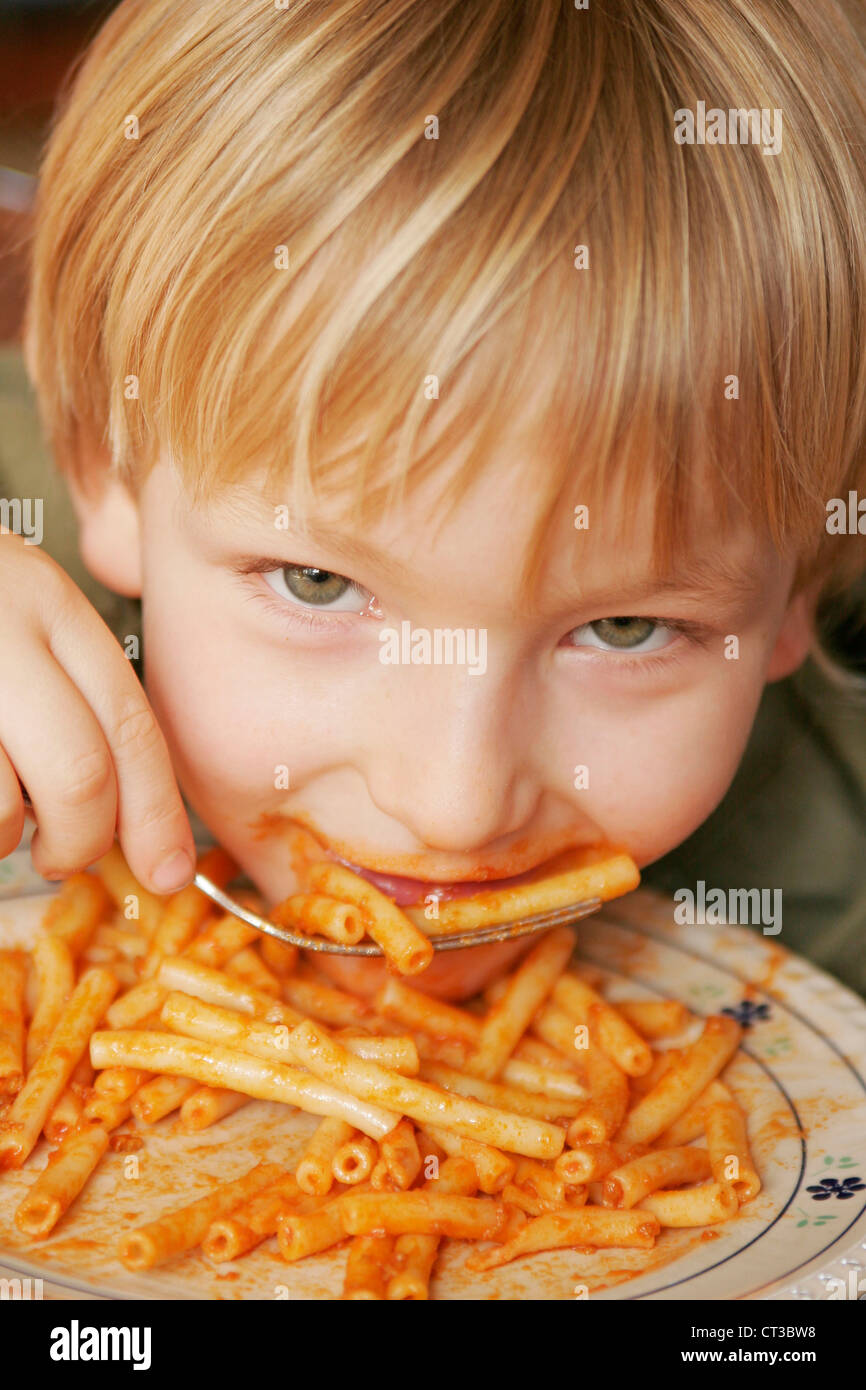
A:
<point x="494" y="480"/>
<point x="510" y="524"/>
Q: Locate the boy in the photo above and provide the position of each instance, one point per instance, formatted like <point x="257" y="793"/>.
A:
<point x="355" y="327"/>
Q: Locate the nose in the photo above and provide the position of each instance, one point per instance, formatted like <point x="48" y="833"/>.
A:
<point x="451" y="763"/>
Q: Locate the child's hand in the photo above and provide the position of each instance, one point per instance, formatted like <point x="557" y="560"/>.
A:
<point x="77" y="730"/>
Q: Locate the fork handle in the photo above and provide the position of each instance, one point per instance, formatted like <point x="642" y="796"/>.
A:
<point x="479" y="936"/>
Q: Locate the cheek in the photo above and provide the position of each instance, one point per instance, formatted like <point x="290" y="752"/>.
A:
<point x="658" y="772"/>
<point x="215" y="739"/>
<point x="246" y="727"/>
<point x="230" y="710"/>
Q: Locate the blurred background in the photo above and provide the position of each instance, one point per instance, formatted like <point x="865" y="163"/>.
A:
<point x="39" y="42"/>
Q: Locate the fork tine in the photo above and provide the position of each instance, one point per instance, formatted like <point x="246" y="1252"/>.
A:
<point x="269" y="928"/>
<point x="453" y="941"/>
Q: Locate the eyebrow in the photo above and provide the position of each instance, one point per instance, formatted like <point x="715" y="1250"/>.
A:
<point x="696" y="574"/>
<point x="355" y="549"/>
<point x="317" y="534"/>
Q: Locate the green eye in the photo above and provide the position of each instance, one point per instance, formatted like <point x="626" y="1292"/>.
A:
<point x="637" y="636"/>
<point x="307" y="586"/>
<point x="623" y="632"/>
<point x="313" y="585"/>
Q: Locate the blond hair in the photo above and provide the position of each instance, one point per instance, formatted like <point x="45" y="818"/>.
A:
<point x="412" y="258"/>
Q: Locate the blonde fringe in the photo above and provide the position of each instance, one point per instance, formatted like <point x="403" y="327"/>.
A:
<point x="411" y="257"/>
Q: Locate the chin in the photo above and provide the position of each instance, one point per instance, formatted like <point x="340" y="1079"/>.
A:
<point x="452" y="975"/>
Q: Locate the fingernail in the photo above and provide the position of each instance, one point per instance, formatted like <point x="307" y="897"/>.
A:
<point x="174" y="872"/>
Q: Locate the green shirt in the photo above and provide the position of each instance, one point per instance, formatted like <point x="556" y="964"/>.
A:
<point x="793" y="819"/>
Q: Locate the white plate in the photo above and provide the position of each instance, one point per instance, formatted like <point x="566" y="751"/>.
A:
<point x="800" y="1075"/>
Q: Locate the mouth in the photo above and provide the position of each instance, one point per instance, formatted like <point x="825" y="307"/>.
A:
<point x="406" y="892"/>
<point x="522" y="863"/>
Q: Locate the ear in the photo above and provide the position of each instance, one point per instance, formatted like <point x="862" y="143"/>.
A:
<point x="109" y="532"/>
<point x="796" y="636"/>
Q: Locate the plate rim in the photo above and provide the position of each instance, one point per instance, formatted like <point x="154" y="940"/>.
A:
<point x="811" y="980"/>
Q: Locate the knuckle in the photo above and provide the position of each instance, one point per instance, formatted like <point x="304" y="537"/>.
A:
<point x="11" y="806"/>
<point x="13" y="548"/>
<point x="99" y="846"/>
<point x="162" y="817"/>
<point x="11" y="827"/>
<point x="10" y="820"/>
<point x="62" y="856"/>
<point x="35" y="576"/>
<point x="53" y="581"/>
<point x="137" y="731"/>
<point x="86" y="779"/>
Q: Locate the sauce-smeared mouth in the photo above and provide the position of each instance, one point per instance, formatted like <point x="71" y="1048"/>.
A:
<point x="406" y="892"/>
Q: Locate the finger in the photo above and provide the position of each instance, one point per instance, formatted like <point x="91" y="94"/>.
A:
<point x="11" y="808"/>
<point x="152" y="824"/>
<point x="57" y="748"/>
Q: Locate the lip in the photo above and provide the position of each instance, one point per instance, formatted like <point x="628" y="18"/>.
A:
<point x="430" y="866"/>
<point x="428" y="874"/>
<point x="406" y="892"/>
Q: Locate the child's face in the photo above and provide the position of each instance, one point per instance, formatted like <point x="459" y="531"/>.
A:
<point x="443" y="772"/>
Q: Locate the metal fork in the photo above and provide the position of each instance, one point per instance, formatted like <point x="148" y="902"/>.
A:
<point x="450" y="941"/>
<point x="446" y="941"/>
